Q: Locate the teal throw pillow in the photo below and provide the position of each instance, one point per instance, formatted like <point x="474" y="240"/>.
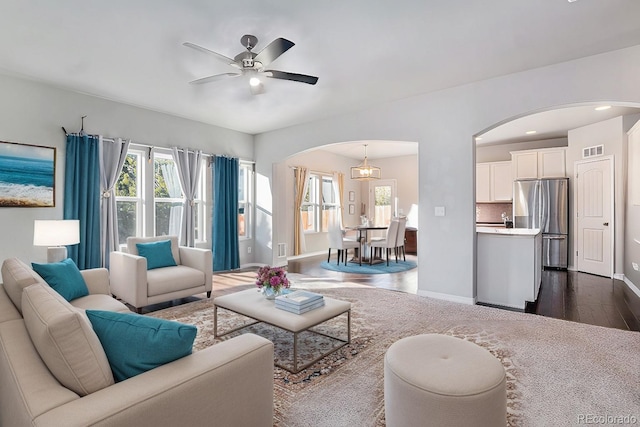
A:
<point x="64" y="277"/>
<point x="135" y="344"/>
<point x="158" y="254"/>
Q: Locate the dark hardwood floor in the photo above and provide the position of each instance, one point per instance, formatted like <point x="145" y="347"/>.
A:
<point x="587" y="298"/>
<point x="567" y="295"/>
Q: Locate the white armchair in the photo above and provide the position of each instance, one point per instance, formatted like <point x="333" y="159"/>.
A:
<point x="134" y="284"/>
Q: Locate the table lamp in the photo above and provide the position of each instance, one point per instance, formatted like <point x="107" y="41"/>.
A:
<point x="56" y="234"/>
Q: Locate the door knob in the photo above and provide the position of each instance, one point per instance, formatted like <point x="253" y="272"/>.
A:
<point x="606" y="224"/>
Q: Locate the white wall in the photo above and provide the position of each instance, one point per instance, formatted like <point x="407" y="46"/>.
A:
<point x="444" y="123"/>
<point x="33" y="113"/>
<point x="502" y="152"/>
<point x="632" y="224"/>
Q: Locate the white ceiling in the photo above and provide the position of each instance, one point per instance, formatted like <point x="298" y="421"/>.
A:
<point x="364" y="51"/>
<point x="375" y="149"/>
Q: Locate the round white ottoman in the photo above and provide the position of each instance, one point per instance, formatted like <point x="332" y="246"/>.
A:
<point x="438" y="380"/>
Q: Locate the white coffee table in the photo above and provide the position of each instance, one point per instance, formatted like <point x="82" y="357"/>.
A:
<point x="253" y="304"/>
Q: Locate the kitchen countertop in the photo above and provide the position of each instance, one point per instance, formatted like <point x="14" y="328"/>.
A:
<point x="491" y="224"/>
<point x="509" y="231"/>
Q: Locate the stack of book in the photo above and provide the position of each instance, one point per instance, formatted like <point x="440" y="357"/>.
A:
<point x="299" y="302"/>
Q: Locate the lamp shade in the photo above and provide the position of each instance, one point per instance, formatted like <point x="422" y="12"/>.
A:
<point x="56" y="232"/>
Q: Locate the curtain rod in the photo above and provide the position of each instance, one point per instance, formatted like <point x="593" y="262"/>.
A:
<point x="316" y="171"/>
<point x="139" y="144"/>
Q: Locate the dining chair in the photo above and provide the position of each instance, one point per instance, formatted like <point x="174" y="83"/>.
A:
<point x="388" y="243"/>
<point x="337" y="241"/>
<point x="402" y="225"/>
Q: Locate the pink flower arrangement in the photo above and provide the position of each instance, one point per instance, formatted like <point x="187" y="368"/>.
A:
<point x="272" y="277"/>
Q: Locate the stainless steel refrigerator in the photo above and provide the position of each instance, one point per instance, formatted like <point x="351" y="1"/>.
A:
<point x="544" y="204"/>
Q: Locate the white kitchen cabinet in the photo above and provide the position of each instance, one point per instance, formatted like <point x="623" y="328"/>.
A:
<point x="509" y="266"/>
<point x="525" y="164"/>
<point x="501" y="182"/>
<point x="483" y="182"/>
<point x="494" y="182"/>
<point x="544" y="163"/>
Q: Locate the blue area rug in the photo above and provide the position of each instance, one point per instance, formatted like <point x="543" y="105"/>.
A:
<point x="370" y="269"/>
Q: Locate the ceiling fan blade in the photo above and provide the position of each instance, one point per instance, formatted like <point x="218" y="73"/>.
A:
<point x="219" y="56"/>
<point x="303" y="78"/>
<point x="273" y="51"/>
<point x="214" y="78"/>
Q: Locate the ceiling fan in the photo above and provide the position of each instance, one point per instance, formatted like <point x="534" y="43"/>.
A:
<point x="253" y="64"/>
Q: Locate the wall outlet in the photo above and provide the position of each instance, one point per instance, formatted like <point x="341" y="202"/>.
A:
<point x="248" y="249"/>
<point x="635" y="266"/>
<point x="439" y="211"/>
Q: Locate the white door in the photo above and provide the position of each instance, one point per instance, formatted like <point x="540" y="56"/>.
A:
<point x="594" y="205"/>
<point x="382" y="201"/>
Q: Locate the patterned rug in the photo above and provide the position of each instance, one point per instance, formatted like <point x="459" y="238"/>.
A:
<point x="380" y="268"/>
<point x="557" y="371"/>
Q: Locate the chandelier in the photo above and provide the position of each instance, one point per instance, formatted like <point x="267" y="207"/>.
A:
<point x="364" y="171"/>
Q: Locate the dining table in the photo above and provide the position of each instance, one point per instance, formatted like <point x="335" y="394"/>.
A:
<point x="363" y="237"/>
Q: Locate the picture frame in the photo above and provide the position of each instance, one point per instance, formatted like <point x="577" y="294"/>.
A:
<point x="27" y="175"/>
<point x="352" y="209"/>
<point x="352" y="196"/>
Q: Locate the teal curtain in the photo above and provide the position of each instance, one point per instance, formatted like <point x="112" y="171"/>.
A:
<point x="82" y="197"/>
<point x="226" y="254"/>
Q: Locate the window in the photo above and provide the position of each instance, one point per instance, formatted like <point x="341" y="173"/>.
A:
<point x="129" y="196"/>
<point x="245" y="188"/>
<point x="330" y="203"/>
<point x="167" y="196"/>
<point x="320" y="202"/>
<point x="150" y="201"/>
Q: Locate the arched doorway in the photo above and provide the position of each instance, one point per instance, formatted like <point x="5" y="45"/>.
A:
<point x="595" y="130"/>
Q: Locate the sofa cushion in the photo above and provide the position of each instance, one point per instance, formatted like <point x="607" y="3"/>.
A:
<point x="158" y="254"/>
<point x="65" y="341"/>
<point x="16" y="275"/>
<point x="133" y="241"/>
<point x="135" y="344"/>
<point x="100" y="302"/>
<point x="64" y="277"/>
<point x="166" y="280"/>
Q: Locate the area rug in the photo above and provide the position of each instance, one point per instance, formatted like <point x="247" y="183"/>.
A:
<point x="559" y="373"/>
<point x="380" y="268"/>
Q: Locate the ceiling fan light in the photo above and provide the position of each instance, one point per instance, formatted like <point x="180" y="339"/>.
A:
<point x="254" y="81"/>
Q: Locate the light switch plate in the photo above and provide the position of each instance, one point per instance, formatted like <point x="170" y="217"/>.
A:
<point x="439" y="211"/>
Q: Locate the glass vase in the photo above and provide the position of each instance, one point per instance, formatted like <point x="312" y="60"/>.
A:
<point x="270" y="293"/>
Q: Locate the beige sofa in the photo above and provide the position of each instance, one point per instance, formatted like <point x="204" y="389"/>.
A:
<point x="134" y="284"/>
<point x="230" y="383"/>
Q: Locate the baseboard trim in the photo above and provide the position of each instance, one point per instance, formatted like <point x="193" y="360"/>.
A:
<point x="306" y="255"/>
<point x="631" y="286"/>
<point x="618" y="276"/>
<point x="447" y="297"/>
<point x="252" y="264"/>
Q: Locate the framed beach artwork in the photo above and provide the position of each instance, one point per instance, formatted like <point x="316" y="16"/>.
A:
<point x="27" y="175"/>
